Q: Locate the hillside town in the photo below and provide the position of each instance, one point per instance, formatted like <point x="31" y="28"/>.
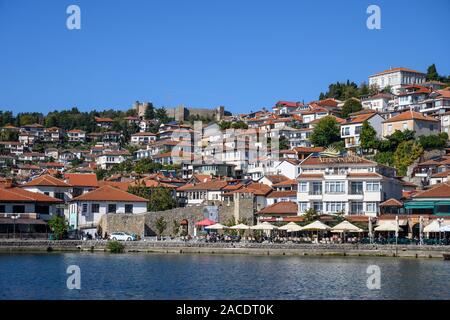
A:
<point x="375" y="153"/>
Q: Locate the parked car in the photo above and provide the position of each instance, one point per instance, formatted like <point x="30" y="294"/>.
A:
<point x="122" y="236"/>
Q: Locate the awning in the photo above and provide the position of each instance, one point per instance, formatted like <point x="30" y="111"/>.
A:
<point x="419" y="205"/>
<point x="205" y="222"/>
<point x="22" y="221"/>
<point x="240" y="226"/>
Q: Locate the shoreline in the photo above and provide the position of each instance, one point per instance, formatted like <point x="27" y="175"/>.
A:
<point x="269" y="249"/>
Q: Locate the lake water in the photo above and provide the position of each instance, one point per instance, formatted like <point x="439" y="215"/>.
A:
<point x="158" y="276"/>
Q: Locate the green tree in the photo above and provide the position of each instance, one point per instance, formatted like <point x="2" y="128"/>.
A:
<point x="149" y="112"/>
<point x="407" y="152"/>
<point x="432" y="73"/>
<point x="284" y="143"/>
<point x="175" y="227"/>
<point x="58" y="225"/>
<point x="385" y="158"/>
<point x="350" y="106"/>
<point x="160" y="226"/>
<point x="310" y="215"/>
<point x="161" y="199"/>
<point x="161" y="115"/>
<point x="325" y="132"/>
<point x="368" y="137"/>
<point x="434" y="141"/>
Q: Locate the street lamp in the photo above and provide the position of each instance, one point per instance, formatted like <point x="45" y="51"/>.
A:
<point x="440" y="220"/>
<point x="13" y="216"/>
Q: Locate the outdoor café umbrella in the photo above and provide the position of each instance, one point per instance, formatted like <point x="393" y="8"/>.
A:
<point x="216" y="226"/>
<point x="316" y="226"/>
<point x="240" y="226"/>
<point x="432" y="227"/>
<point x="345" y="226"/>
<point x="445" y="228"/>
<point x="388" y="226"/>
<point x="290" y="227"/>
<point x="263" y="226"/>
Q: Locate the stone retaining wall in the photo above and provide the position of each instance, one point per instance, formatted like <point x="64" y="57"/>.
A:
<point x="230" y="248"/>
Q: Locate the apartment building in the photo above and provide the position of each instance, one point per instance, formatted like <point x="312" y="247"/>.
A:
<point x="395" y="78"/>
<point x="349" y="184"/>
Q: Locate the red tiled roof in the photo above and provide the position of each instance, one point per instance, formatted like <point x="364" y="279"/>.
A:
<point x="284" y="207"/>
<point x="285" y="183"/>
<point x="82" y="179"/>
<point x="395" y="70"/>
<point x="209" y="185"/>
<point x="276" y="178"/>
<point x="98" y="119"/>
<point x="21" y="195"/>
<point x="109" y="193"/>
<point x="410" y="115"/>
<point x="283" y="194"/>
<point x="443" y="174"/>
<point x="439" y="191"/>
<point x="391" y="203"/>
<point x="47" y="180"/>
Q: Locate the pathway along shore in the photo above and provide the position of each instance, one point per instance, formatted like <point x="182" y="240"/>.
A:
<point x="412" y="251"/>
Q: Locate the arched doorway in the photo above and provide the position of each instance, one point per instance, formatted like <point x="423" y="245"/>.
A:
<point x="416" y="231"/>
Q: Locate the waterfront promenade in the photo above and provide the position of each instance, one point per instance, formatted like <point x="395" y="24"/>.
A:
<point x="179" y="247"/>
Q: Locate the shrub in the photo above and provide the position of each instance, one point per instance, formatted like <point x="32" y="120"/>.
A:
<point x="115" y="247"/>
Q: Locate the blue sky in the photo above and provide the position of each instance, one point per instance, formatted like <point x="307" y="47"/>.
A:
<point x="243" y="54"/>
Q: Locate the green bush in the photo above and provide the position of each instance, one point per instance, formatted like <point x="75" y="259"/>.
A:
<point x="115" y="247"/>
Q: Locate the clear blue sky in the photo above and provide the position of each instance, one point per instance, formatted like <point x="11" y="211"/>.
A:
<point x="243" y="54"/>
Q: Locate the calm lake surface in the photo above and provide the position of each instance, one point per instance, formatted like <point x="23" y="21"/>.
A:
<point x="158" y="276"/>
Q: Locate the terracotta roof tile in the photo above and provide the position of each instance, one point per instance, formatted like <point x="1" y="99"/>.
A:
<point x="47" y="180"/>
<point x="82" y="179"/>
<point x="21" y="195"/>
<point x="410" y="115"/>
<point x="439" y="191"/>
<point x="284" y="207"/>
<point x="109" y="193"/>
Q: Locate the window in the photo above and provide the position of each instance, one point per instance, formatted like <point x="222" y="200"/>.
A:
<point x="356" y="187"/>
<point x="335" y="187"/>
<point x="128" y="208"/>
<point x="405" y="125"/>
<point x="2" y="209"/>
<point x="84" y="208"/>
<point x="59" y="195"/>
<point x="373" y="186"/>
<point x="371" y="207"/>
<point x="112" y="208"/>
<point x="345" y="131"/>
<point x="443" y="209"/>
<point x="18" y="209"/>
<point x="318" y="206"/>
<point x="335" y="206"/>
<point x="303" y="206"/>
<point x="356" y="208"/>
<point x="42" y="209"/>
<point x="389" y="128"/>
<point x="358" y="130"/>
<point x="95" y="208"/>
<point x="316" y="188"/>
<point x="303" y="187"/>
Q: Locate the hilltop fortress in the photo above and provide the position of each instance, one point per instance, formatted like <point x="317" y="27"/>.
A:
<point x="182" y="113"/>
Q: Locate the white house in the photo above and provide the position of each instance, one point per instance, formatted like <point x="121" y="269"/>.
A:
<point x="110" y="158"/>
<point x="381" y="102"/>
<point x="143" y="138"/>
<point x="85" y="211"/>
<point x="76" y="135"/>
<point x="351" y="129"/>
